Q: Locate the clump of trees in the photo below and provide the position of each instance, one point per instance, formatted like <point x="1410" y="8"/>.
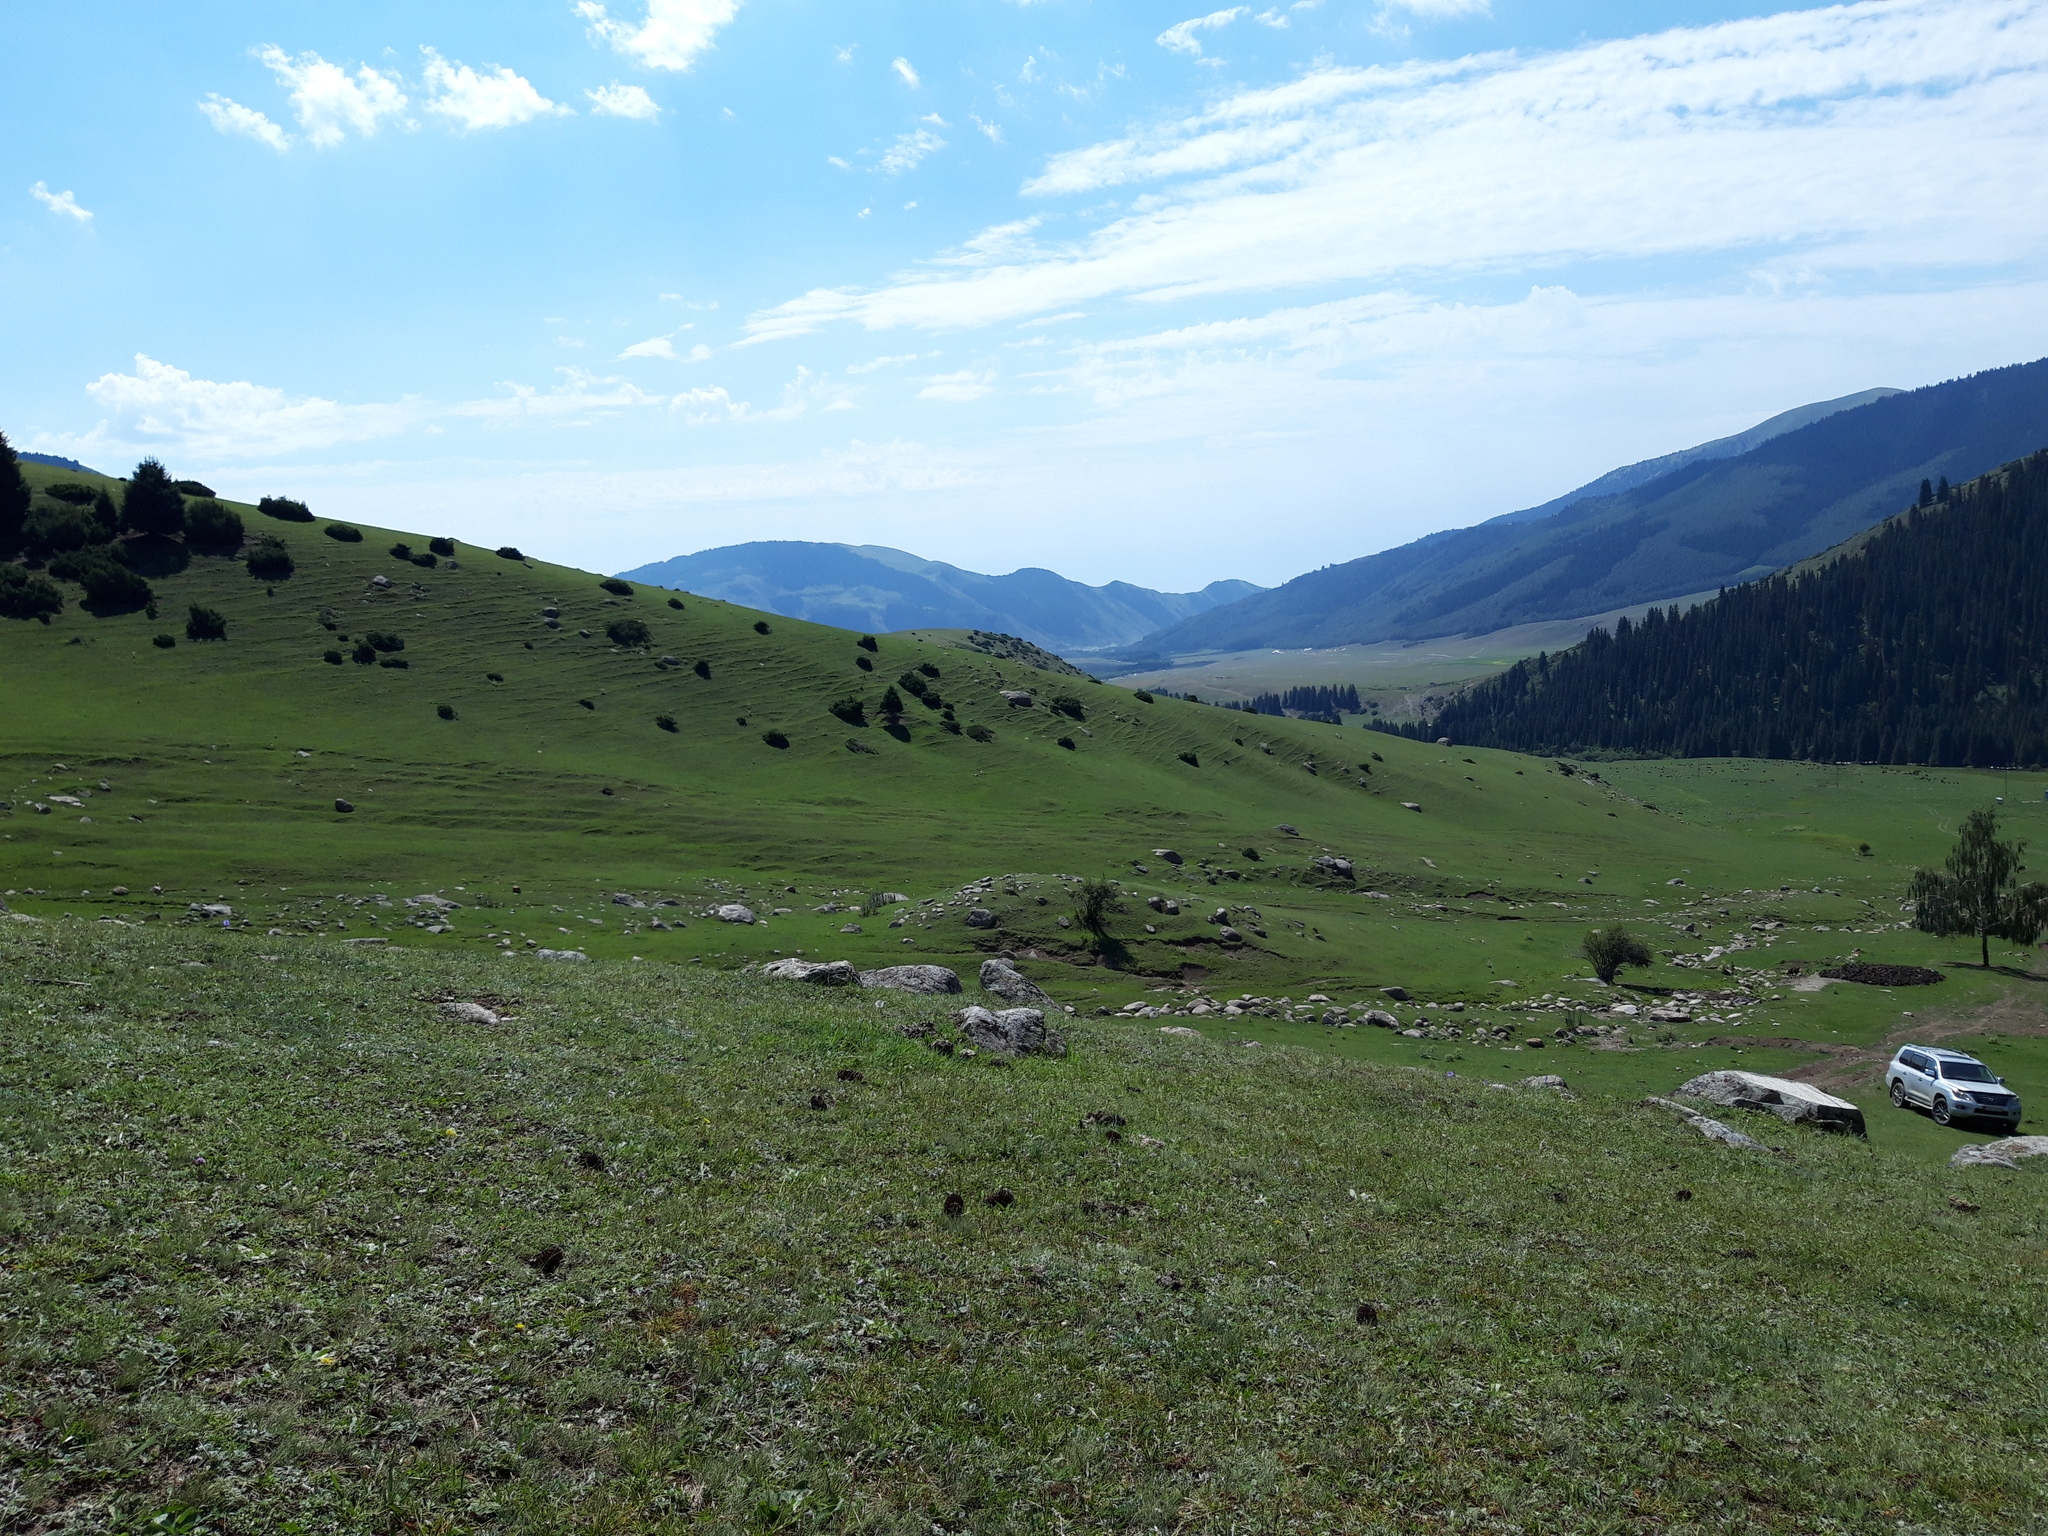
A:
<point x="151" y="504"/>
<point x="214" y="526"/>
<point x="25" y="595"/>
<point x="203" y="623"/>
<point x="285" y="509"/>
<point x="269" y="560"/>
<point x="14" y="499"/>
<point x="343" y="533"/>
<point x="616" y="587"/>
<point x="1607" y="950"/>
<point x="1979" y="894"/>
<point x="107" y="582"/>
<point x="632" y="634"/>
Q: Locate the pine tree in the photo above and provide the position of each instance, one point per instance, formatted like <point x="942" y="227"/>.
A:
<point x="151" y="504"/>
<point x="14" y="499"/>
<point x="1926" y="493"/>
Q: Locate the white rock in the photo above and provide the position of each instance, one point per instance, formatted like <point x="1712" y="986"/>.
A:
<point x="733" y="912"/>
<point x="819" y="973"/>
<point x="560" y="954"/>
<point x="1999" y="1154"/>
<point x="469" y="1013"/>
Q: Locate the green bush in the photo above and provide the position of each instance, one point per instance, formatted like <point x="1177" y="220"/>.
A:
<point x="445" y="711"/>
<point x="202" y="623"/>
<point x="1191" y="760"/>
<point x="775" y="739"/>
<point x="384" y="642"/>
<point x="676" y="603"/>
<point x="54" y="530"/>
<point x="192" y="488"/>
<point x="911" y="683"/>
<point x="863" y="663"/>
<point x="851" y="710"/>
<point x="1066" y="704"/>
<point x="1067" y="742"/>
<point x="616" y="587"/>
<point x="495" y="677"/>
<point x="666" y="722"/>
<point x="980" y="733"/>
<point x="932" y="700"/>
<point x="70" y="490"/>
<point x="269" y="560"/>
<point x="509" y="552"/>
<point x="632" y="634"/>
<point x="107" y="582"/>
<point x="1609" y="949"/>
<point x="702" y="669"/>
<point x="928" y="669"/>
<point x="892" y="704"/>
<point x="442" y="547"/>
<point x="426" y="559"/>
<point x="866" y="643"/>
<point x="761" y="627"/>
<point x="400" y="551"/>
<point x="588" y="703"/>
<point x="150" y="503"/>
<point x="397" y="663"/>
<point x="25" y="595"/>
<point x="215" y="526"/>
<point x="106" y="514"/>
<point x="285" y="510"/>
<point x="950" y="724"/>
<point x="1095" y="901"/>
<point x="165" y="642"/>
<point x="343" y="533"/>
<point x="855" y="744"/>
<point x="332" y="658"/>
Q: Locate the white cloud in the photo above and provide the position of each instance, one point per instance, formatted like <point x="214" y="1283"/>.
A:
<point x="908" y="150"/>
<point x="881" y="362"/>
<point x="907" y="74"/>
<point x="497" y="98"/>
<point x="993" y="132"/>
<point x="617" y="100"/>
<point x="329" y="102"/>
<point x="674" y="33"/>
<point x="1840" y="139"/>
<point x="161" y="405"/>
<point x="1441" y="10"/>
<point x="65" y="203"/>
<point x="656" y="346"/>
<point x="958" y="387"/>
<point x="1180" y="37"/>
<point x="228" y="116"/>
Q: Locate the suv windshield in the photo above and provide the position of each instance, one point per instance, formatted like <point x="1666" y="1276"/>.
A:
<point x="1967" y="1072"/>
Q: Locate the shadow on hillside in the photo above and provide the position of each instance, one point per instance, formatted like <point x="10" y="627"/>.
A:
<point x="1111" y="951"/>
<point x="1998" y="970"/>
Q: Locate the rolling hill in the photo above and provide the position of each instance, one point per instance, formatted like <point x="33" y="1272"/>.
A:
<point x="869" y="587"/>
<point x="1713" y="522"/>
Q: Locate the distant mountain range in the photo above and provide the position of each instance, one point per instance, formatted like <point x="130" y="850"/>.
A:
<point x="869" y="587"/>
<point x="1722" y="513"/>
<point x="54" y="462"/>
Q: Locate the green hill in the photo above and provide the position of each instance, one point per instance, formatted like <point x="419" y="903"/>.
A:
<point x="1707" y="524"/>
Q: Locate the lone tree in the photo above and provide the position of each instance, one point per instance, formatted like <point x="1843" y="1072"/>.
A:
<point x="151" y="504"/>
<point x="1096" y="899"/>
<point x="1979" y="894"/>
<point x="14" y="500"/>
<point x="1609" y="949"/>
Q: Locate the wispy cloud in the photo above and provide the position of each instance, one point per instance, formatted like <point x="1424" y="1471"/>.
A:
<point x="64" y="203"/>
<point x="993" y="132"/>
<point x="329" y="102"/>
<point x="1180" y="37"/>
<point x="497" y="98"/>
<point x="905" y="73"/>
<point x="958" y="388"/>
<point x="672" y="34"/>
<point x="909" y="151"/>
<point x="231" y="117"/>
<point x="158" y="404"/>
<point x="617" y="100"/>
<point x="1843" y="138"/>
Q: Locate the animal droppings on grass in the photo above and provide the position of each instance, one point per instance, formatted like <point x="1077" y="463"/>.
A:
<point x="955" y="1204"/>
<point x="592" y="1159"/>
<point x="820" y="1101"/>
<point x="999" y="1198"/>
<point x="1683" y="1194"/>
<point x="1368" y="1314"/>
<point x="851" y="1075"/>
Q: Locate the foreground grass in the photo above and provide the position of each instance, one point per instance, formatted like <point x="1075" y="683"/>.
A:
<point x="269" y="1220"/>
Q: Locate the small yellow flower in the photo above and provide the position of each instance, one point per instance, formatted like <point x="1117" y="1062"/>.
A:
<point x="449" y="1132"/>
<point x="329" y="1360"/>
<point x="519" y="1325"/>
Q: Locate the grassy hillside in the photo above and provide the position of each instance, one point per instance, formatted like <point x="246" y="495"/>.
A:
<point x="289" y="1250"/>
<point x="1710" y="524"/>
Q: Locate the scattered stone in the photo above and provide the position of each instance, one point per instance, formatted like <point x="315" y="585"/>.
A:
<point x="1336" y="868"/>
<point x="1793" y="1102"/>
<point x="1398" y="994"/>
<point x="1016" y="698"/>
<point x="120" y="890"/>
<point x="469" y="1013"/>
<point x="622" y="899"/>
<point x="560" y="954"/>
<point x="1288" y="828"/>
<point x="1713" y="1130"/>
<point x="926" y="980"/>
<point x="212" y="909"/>
<point x="343" y="807"/>
<point x="893" y="898"/>
<point x="1167" y="854"/>
<point x="1229" y="935"/>
<point x="380" y="582"/>
<point x="981" y="917"/>
<point x="438" y="903"/>
<point x="366" y="941"/>
<point x="1999" y="1154"/>
<point x="1410" y="805"/>
<point x="819" y="973"/>
<point x="1182" y="1030"/>
<point x="1379" y="1018"/>
<point x="1012" y="985"/>
<point x="733" y="912"/>
<point x="1548" y="1080"/>
<point x="1012" y="1032"/>
<point x="849" y="928"/>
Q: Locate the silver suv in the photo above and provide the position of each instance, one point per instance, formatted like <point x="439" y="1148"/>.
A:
<point x="1950" y="1086"/>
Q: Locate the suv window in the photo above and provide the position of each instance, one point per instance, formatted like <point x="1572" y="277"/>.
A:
<point x="1914" y="1060"/>
<point x="1967" y="1072"/>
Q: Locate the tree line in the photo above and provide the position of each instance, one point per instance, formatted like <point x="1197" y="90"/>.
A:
<point x="1927" y="644"/>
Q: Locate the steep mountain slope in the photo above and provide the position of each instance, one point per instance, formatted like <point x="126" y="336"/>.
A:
<point x="1923" y="641"/>
<point x="870" y="587"/>
<point x="1711" y="523"/>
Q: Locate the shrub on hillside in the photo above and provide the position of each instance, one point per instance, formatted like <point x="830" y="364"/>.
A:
<point x="72" y="491"/>
<point x="1066" y="704"/>
<point x="775" y="739"/>
<point x="426" y="559"/>
<point x="676" y="603"/>
<point x="666" y="722"/>
<point x="165" y="642"/>
<point x="269" y="560"/>
<point x="400" y="551"/>
<point x="929" y="670"/>
<point x="106" y="514"/>
<point x="397" y="663"/>
<point x="443" y="547"/>
<point x="702" y="669"/>
<point x="851" y="710"/>
<point x="15" y="497"/>
<point x="285" y="510"/>
<point x="933" y="701"/>
<point x="1607" y="950"/>
<point x="191" y="488"/>
<point x="616" y="587"/>
<point x="1067" y="742"/>
<point x="509" y="552"/>
<point x="365" y="654"/>
<point x="911" y="683"/>
<point x="1142" y="696"/>
<point x="866" y="643"/>
<point x="25" y="595"/>
<point x="761" y="627"/>
<point x="107" y="582"/>
<point x="383" y="642"/>
<point x="1191" y="760"/>
<point x="54" y="528"/>
<point x="213" y="526"/>
<point x="632" y="634"/>
<point x="892" y="704"/>
<point x="332" y="658"/>
<point x="202" y="623"/>
<point x="445" y="711"/>
<point x="980" y="733"/>
<point x="343" y="533"/>
<point x="150" y="503"/>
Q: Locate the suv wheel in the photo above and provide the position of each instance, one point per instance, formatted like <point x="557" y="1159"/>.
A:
<point x="1898" y="1094"/>
<point x="1942" y="1115"/>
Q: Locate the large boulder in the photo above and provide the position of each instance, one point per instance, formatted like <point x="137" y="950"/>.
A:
<point x="1333" y="867"/>
<point x="981" y="917"/>
<point x="819" y="973"/>
<point x="1379" y="1018"/>
<point x="1710" y="1128"/>
<point x="733" y="912"/>
<point x="1999" y="1154"/>
<point x="926" y="980"/>
<point x="1012" y="985"/>
<point x="1012" y="1032"/>
<point x="1794" y="1103"/>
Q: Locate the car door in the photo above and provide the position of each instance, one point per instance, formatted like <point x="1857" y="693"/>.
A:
<point x="1919" y="1077"/>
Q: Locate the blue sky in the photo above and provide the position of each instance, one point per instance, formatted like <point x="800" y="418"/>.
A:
<point x="1147" y="291"/>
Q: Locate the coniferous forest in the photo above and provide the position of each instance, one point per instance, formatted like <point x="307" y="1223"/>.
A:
<point x="1926" y="644"/>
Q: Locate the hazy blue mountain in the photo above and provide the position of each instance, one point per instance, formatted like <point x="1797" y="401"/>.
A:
<point x="51" y="459"/>
<point x="1711" y="522"/>
<point x="869" y="587"/>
